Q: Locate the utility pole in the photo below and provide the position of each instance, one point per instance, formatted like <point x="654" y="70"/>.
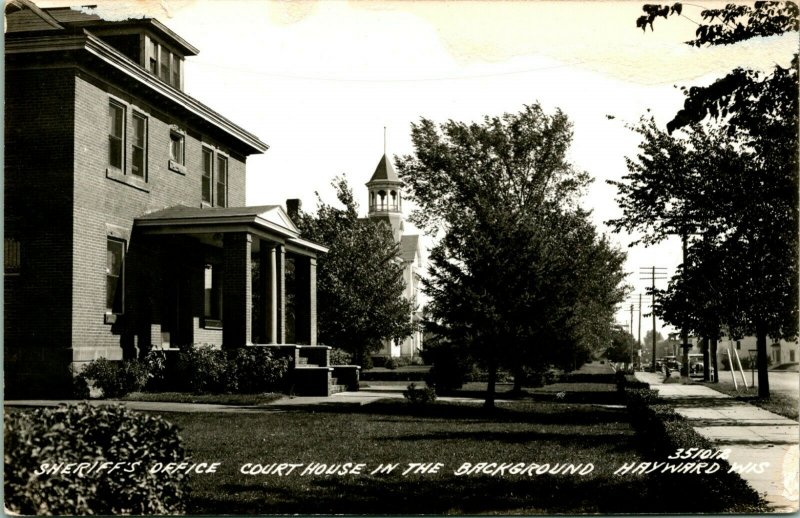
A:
<point x="631" y="348"/>
<point x="652" y="274"/>
<point x="639" y="337"/>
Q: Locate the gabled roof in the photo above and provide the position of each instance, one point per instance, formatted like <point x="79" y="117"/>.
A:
<point x="268" y="213"/>
<point x="384" y="172"/>
<point x="409" y="248"/>
<point x="266" y="220"/>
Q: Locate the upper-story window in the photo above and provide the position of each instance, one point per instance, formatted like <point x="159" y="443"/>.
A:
<point x="139" y="146"/>
<point x="176" y="147"/>
<point x="208" y="174"/>
<point x="222" y="181"/>
<point x="116" y="135"/>
<point x="163" y="63"/>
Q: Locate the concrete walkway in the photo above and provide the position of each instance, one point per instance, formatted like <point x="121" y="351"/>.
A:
<point x="753" y="435"/>
<point x="375" y="392"/>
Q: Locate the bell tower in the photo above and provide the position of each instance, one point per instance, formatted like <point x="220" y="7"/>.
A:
<point x="386" y="197"/>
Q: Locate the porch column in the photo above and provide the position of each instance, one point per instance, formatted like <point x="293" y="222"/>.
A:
<point x="280" y="282"/>
<point x="306" y="305"/>
<point x="237" y="290"/>
<point x="268" y="291"/>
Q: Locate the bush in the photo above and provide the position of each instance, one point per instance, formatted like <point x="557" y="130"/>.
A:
<point x="340" y="357"/>
<point x="116" y="378"/>
<point x="156" y="362"/>
<point x="203" y="369"/>
<point x="419" y="397"/>
<point x="256" y="370"/>
<point x="91" y="435"/>
<point x="450" y="366"/>
<point x="391" y="363"/>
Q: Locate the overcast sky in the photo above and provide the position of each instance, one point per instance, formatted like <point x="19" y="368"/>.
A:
<point x="318" y="81"/>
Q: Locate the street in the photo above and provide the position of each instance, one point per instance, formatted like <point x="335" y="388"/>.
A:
<point x="783" y="382"/>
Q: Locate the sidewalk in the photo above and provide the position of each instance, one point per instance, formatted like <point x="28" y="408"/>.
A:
<point x="752" y="434"/>
<point x="375" y="392"/>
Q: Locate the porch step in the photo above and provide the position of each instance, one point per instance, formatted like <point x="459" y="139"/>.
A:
<point x="302" y="361"/>
<point x="337" y="388"/>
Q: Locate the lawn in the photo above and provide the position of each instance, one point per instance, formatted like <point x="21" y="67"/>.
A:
<point x="528" y="431"/>
<point x="777" y="403"/>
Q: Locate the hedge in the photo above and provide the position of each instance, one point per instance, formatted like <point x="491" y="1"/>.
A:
<point x="92" y="435"/>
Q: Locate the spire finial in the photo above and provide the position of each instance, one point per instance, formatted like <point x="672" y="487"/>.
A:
<point x="384" y="140"/>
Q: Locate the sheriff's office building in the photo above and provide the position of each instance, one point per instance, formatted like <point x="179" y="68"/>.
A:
<point x="125" y="224"/>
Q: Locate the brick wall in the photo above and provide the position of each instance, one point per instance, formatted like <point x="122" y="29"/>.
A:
<point x="62" y="204"/>
<point x="100" y="201"/>
<point x="38" y="196"/>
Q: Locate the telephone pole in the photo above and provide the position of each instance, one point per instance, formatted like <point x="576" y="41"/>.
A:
<point x="652" y="274"/>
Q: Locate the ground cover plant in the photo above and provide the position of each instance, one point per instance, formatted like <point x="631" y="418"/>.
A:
<point x="558" y="430"/>
<point x="98" y="448"/>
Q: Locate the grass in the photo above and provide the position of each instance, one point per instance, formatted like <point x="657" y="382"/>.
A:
<point x="219" y="399"/>
<point x="393" y="431"/>
<point x="777" y="403"/>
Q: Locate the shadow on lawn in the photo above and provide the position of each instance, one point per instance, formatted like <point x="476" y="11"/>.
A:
<point x="429" y="494"/>
<point x="615" y="438"/>
<point x="517" y="412"/>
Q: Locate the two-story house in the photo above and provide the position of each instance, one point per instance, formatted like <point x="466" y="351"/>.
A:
<point x="125" y="224"/>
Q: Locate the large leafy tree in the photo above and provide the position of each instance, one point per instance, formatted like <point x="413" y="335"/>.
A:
<point x="519" y="275"/>
<point x="732" y="181"/>
<point x="623" y="346"/>
<point x="359" y="281"/>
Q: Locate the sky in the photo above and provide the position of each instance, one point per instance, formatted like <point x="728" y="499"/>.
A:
<point x="318" y="81"/>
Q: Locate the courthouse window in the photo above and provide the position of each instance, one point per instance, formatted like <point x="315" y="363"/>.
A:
<point x="115" y="273"/>
<point x="139" y="146"/>
<point x="116" y="135"/>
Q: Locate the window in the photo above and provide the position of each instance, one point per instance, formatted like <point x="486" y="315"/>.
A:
<point x="153" y="58"/>
<point x="115" y="273"/>
<point x="212" y="289"/>
<point x="139" y="146"/>
<point x="116" y="135"/>
<point x="12" y="257"/>
<point x="208" y="174"/>
<point x="738" y="345"/>
<point x="176" y="147"/>
<point x="791" y="356"/>
<point x="176" y="71"/>
<point x="222" y="181"/>
<point x="164" y="64"/>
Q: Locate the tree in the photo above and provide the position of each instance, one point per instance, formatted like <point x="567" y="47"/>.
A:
<point x="359" y="281"/>
<point x="519" y="276"/>
<point x="623" y="344"/>
<point x="732" y="179"/>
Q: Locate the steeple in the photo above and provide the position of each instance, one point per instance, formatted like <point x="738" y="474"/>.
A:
<point x="386" y="196"/>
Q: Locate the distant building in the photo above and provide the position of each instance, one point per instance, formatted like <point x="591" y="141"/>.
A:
<point x="386" y="204"/>
<point x="125" y="225"/>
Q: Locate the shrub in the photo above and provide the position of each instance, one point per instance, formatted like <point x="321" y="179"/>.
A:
<point x="450" y="366"/>
<point x="156" y="362"/>
<point x="419" y="397"/>
<point x="116" y="378"/>
<point x="203" y="369"/>
<point x="91" y="434"/>
<point x="391" y="363"/>
<point x="340" y="357"/>
<point x="256" y="370"/>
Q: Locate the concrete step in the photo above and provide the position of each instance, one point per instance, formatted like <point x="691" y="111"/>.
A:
<point x="302" y="361"/>
<point x="338" y="388"/>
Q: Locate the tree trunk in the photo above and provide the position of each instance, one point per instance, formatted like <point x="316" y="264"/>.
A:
<point x="715" y="375"/>
<point x="761" y="361"/>
<point x="519" y="377"/>
<point x="705" y="359"/>
<point x="490" y="387"/>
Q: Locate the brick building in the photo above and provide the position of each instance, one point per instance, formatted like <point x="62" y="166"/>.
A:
<point x="386" y="204"/>
<point x="125" y="225"/>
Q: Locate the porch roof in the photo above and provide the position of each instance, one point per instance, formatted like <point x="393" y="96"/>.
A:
<point x="266" y="221"/>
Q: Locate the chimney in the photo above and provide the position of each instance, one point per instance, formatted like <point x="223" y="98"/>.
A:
<point x="293" y="207"/>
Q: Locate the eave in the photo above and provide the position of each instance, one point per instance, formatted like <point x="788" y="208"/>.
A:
<point x="108" y="55"/>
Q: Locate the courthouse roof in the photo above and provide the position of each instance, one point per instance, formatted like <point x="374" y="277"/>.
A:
<point x="384" y="172"/>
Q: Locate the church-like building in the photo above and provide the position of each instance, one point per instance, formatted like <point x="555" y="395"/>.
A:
<point x="386" y="204"/>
